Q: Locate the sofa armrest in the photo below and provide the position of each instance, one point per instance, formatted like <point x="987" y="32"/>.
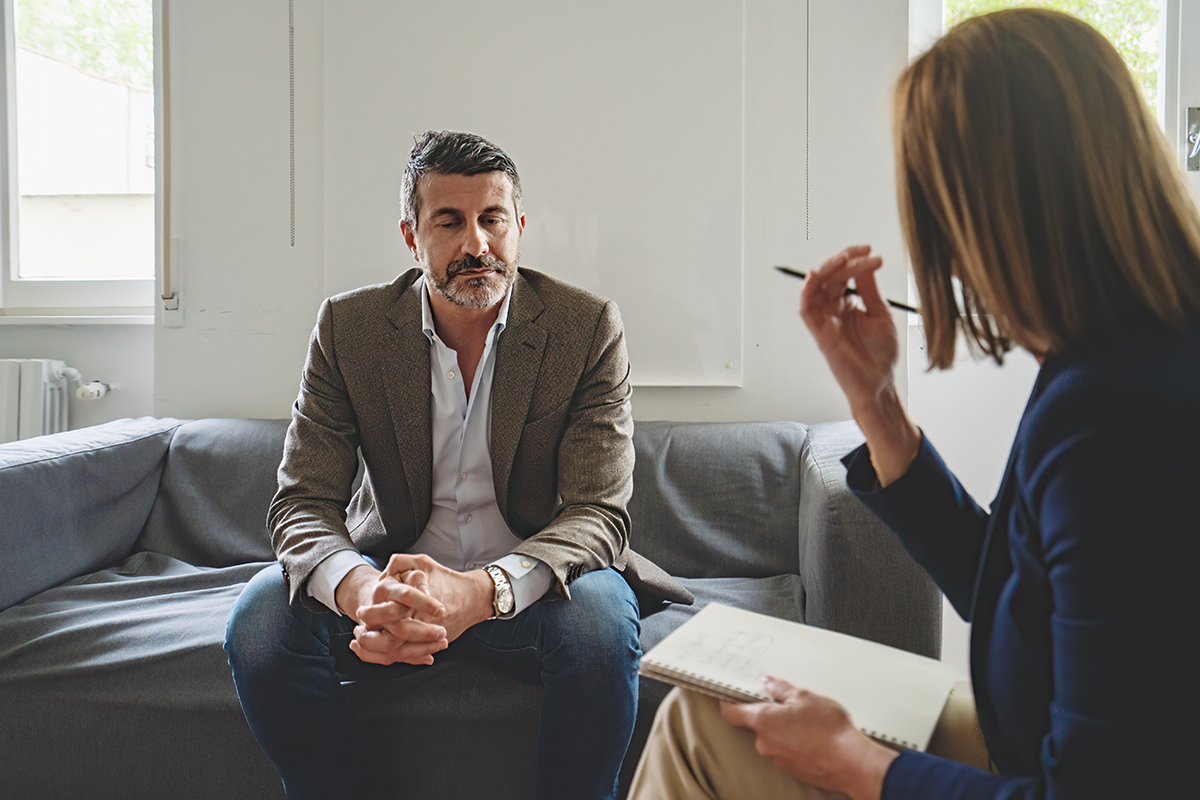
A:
<point x="857" y="577"/>
<point x="75" y="502"/>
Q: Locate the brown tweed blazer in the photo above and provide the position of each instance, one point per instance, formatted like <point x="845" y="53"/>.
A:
<point x="562" y="449"/>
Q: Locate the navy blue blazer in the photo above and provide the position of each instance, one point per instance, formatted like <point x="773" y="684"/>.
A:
<point x="1082" y="585"/>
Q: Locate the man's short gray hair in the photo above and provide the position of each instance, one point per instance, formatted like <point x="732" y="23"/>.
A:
<point x="452" y="153"/>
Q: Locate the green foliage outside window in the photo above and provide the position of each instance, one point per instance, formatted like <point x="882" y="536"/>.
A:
<point x="1131" y="25"/>
<point x="111" y="38"/>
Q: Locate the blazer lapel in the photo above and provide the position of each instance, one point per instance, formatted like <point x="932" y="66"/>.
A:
<point x="406" y="381"/>
<point x="518" y="360"/>
<point x="995" y="565"/>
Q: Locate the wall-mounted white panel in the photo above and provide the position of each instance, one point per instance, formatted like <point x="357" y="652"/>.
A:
<point x="818" y="177"/>
<point x="625" y="120"/>
<point x="249" y="296"/>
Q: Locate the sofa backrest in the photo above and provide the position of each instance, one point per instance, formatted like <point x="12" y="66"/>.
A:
<point x="72" y="503"/>
<point x="717" y="499"/>
<point x="218" y="480"/>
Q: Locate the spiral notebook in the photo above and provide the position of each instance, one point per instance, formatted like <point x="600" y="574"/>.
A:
<point x="891" y="695"/>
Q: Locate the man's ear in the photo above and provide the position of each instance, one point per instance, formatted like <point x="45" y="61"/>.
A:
<point x="410" y="238"/>
<point x="521" y="223"/>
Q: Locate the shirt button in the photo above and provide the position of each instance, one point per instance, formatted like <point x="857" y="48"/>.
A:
<point x="462" y="477"/>
<point x="472" y="565"/>
<point x="450" y="374"/>
<point x="526" y="563"/>
<point x="468" y="517"/>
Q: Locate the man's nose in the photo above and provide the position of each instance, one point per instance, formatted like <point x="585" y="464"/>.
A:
<point x="475" y="241"/>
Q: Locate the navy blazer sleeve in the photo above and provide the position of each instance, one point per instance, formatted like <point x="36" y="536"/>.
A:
<point x="1090" y="654"/>
<point x="937" y="521"/>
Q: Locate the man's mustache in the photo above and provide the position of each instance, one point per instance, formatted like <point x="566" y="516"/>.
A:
<point x="472" y="263"/>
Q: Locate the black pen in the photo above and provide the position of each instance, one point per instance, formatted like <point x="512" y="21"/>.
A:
<point x="795" y="273"/>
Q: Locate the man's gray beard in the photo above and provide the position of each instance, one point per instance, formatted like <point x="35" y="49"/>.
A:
<point x="483" y="291"/>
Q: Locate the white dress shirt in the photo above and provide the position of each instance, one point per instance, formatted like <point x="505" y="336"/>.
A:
<point x="465" y="530"/>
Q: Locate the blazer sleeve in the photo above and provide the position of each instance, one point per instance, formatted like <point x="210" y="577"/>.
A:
<point x="1103" y="537"/>
<point x="938" y="523"/>
<point x="307" y="518"/>
<point x="1117" y="540"/>
<point x="590" y="530"/>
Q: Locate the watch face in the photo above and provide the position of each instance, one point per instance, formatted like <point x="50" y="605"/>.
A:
<point x="504" y="594"/>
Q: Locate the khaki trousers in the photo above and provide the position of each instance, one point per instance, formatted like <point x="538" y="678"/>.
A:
<point x="693" y="753"/>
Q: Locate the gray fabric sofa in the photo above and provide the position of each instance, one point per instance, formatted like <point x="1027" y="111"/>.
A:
<point x="123" y="546"/>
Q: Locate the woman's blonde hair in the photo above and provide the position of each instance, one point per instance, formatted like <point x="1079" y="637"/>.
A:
<point x="1029" y="168"/>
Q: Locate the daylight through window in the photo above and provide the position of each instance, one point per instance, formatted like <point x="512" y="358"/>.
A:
<point x="1133" y="26"/>
<point x="84" y="128"/>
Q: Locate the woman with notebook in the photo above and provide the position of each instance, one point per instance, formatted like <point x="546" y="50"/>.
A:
<point x="1041" y="210"/>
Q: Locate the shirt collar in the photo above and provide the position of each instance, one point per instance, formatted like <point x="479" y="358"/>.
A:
<point x="427" y="312"/>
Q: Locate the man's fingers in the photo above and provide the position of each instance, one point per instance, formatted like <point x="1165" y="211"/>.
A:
<point x="400" y="563"/>
<point x="397" y="632"/>
<point x="383" y="615"/>
<point x="409" y="653"/>
<point x="408" y="641"/>
<point x="417" y="579"/>
<point x="392" y="590"/>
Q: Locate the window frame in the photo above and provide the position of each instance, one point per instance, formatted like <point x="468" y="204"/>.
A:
<point x="60" y="296"/>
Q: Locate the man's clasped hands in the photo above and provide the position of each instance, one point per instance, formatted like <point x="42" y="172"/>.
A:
<point x="411" y="609"/>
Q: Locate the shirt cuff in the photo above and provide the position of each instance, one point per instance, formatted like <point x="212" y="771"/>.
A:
<point x="530" y="580"/>
<point x="323" y="582"/>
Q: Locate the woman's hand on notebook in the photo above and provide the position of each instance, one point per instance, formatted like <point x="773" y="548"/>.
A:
<point x="812" y="738"/>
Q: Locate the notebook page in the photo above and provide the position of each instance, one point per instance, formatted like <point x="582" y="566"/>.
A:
<point x="891" y="694"/>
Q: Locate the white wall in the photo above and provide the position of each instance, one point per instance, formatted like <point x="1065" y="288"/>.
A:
<point x="857" y="50"/>
<point x="250" y="297"/>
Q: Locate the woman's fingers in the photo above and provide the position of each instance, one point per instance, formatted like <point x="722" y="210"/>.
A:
<point x="826" y="287"/>
<point x="868" y="290"/>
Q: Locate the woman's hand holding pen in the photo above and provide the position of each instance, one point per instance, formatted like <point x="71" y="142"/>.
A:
<point x="860" y="343"/>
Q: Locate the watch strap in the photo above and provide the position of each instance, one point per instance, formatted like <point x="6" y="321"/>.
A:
<point x="503" y="600"/>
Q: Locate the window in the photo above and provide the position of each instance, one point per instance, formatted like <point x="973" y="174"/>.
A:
<point x="79" y="211"/>
<point x="1139" y="29"/>
<point x="1133" y="26"/>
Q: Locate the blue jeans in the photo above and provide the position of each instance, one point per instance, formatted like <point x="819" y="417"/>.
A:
<point x="288" y="664"/>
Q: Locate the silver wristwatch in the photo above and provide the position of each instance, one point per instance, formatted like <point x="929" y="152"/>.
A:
<point x="502" y="601"/>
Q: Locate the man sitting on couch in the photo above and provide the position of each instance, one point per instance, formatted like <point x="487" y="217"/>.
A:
<point x="490" y="405"/>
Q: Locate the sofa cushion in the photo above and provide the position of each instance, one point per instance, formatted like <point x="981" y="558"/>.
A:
<point x="713" y="499"/>
<point x="127" y="633"/>
<point x="74" y="502"/>
<point x="117" y="679"/>
<point x="217" y="483"/>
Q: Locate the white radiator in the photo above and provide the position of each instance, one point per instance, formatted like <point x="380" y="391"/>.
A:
<point x="33" y="397"/>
